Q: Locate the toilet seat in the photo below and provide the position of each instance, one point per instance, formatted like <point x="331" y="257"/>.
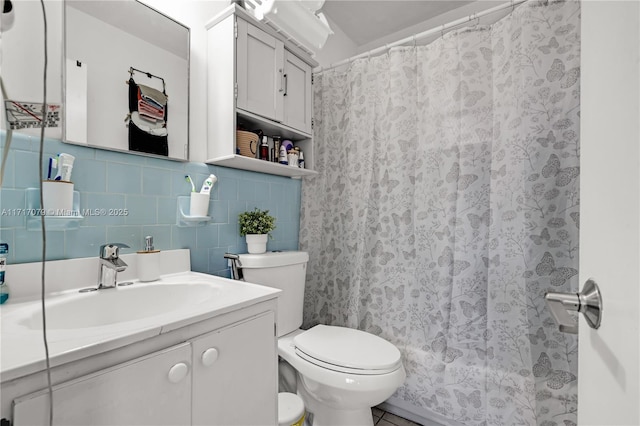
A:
<point x="347" y="350"/>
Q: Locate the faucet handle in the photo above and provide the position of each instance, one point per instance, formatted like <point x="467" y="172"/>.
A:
<point x="111" y="250"/>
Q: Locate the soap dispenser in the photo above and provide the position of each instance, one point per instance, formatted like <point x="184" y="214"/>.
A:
<point x="148" y="261"/>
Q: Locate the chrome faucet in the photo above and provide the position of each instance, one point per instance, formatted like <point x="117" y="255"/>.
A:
<point x="110" y="264"/>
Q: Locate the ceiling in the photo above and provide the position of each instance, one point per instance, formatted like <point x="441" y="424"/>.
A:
<point x="364" y="21"/>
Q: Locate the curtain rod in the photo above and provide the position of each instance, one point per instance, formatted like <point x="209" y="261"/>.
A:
<point x="440" y="29"/>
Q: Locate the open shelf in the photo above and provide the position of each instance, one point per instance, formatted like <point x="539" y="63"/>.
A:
<point x="255" y="165"/>
<point x="253" y="121"/>
<point x="52" y="222"/>
<point x="183" y="216"/>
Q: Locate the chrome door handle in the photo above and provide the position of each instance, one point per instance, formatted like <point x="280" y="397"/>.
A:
<point x="588" y="302"/>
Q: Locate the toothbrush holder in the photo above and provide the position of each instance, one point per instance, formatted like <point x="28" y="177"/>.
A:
<point x="57" y="197"/>
<point x="199" y="205"/>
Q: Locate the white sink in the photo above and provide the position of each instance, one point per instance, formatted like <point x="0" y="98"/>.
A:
<point x="122" y="304"/>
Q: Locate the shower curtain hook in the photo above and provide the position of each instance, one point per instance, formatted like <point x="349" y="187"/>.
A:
<point x="415" y="41"/>
<point x="442" y="31"/>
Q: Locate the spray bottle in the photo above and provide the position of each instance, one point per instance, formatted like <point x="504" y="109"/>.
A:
<point x="4" y="287"/>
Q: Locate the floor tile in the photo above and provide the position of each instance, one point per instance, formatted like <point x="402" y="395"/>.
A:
<point x="397" y="420"/>
<point x="377" y="412"/>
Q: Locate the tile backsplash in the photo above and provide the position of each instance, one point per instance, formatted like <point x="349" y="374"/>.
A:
<point x="148" y="188"/>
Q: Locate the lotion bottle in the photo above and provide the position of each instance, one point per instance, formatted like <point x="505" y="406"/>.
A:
<point x="282" y="157"/>
<point x="148" y="261"/>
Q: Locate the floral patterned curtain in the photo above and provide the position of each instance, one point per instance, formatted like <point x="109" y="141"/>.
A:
<point x="446" y="205"/>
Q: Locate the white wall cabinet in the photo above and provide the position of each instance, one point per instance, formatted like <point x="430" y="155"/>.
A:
<point x="219" y="372"/>
<point x="259" y="80"/>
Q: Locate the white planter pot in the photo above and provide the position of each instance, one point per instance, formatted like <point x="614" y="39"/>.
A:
<point x="257" y="243"/>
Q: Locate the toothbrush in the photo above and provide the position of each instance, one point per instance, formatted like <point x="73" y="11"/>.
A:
<point x="53" y="164"/>
<point x="188" y="179"/>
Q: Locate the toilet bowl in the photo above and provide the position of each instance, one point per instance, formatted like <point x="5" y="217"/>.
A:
<point x="342" y="392"/>
<point x="341" y="372"/>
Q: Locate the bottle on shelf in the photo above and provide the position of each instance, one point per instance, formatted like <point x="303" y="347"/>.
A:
<point x="282" y="158"/>
<point x="264" y="149"/>
<point x="275" y="151"/>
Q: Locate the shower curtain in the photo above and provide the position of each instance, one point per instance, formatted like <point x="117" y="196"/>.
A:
<point x="446" y="205"/>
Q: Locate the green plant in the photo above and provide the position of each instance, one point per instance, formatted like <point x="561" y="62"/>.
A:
<point x="256" y="222"/>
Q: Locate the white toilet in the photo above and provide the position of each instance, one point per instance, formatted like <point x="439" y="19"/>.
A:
<point x="341" y="372"/>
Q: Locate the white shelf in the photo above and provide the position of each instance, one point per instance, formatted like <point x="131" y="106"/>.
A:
<point x="261" y="166"/>
<point x="183" y="216"/>
<point x="52" y="222"/>
<point x="269" y="127"/>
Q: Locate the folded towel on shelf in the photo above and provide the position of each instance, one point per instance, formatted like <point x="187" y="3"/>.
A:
<point x="150" y="112"/>
<point x="149" y="93"/>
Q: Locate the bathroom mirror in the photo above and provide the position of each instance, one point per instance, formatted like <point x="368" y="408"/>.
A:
<point x="125" y="78"/>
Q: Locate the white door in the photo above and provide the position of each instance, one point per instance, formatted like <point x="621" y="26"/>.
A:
<point x="609" y="360"/>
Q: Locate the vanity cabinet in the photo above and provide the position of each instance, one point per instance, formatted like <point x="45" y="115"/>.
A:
<point x="257" y="79"/>
<point x="151" y="390"/>
<point x="234" y="374"/>
<point x="217" y="372"/>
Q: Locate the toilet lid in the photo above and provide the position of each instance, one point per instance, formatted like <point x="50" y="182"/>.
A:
<point x="347" y="350"/>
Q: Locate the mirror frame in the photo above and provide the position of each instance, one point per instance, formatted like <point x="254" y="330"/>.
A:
<point x="64" y="90"/>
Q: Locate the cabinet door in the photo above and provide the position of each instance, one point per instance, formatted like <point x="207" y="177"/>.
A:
<point x="235" y="375"/>
<point x="152" y="390"/>
<point x="297" y="93"/>
<point x="260" y="73"/>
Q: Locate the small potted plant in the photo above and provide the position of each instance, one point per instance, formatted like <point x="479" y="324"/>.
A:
<point x="256" y="225"/>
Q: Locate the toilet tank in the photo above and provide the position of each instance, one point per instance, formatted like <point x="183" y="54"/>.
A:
<point x="283" y="270"/>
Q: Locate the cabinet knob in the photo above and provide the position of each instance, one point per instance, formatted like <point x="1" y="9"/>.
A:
<point x="178" y="372"/>
<point x="209" y="356"/>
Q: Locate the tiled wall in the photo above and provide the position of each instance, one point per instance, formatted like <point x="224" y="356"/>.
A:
<point x="148" y="188"/>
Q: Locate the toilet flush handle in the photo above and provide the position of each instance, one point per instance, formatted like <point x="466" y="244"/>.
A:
<point x="209" y="357"/>
<point x="234" y="263"/>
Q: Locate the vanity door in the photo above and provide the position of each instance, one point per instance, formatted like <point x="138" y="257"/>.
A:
<point x="235" y="374"/>
<point x="151" y="390"/>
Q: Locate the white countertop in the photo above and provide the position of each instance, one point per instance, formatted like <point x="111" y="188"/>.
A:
<point x="22" y="348"/>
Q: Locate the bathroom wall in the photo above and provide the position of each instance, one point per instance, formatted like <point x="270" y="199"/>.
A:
<point x="148" y="188"/>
